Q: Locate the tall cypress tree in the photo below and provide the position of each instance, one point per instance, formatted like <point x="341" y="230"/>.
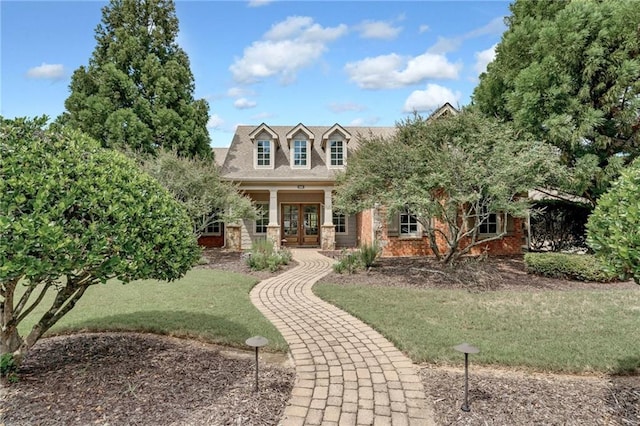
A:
<point x="137" y="90"/>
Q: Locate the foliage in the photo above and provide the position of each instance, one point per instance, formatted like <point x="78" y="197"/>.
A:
<point x="264" y="255"/>
<point x="8" y="367"/>
<point x="569" y="73"/>
<point x="196" y="183"/>
<point x="137" y="91"/>
<point x="580" y="267"/>
<point x="558" y="225"/>
<point x="74" y="215"/>
<point x="349" y="262"/>
<point x="613" y="229"/>
<point x="456" y="169"/>
<point x="369" y="254"/>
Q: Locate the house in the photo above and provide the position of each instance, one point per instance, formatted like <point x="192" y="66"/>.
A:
<point x="290" y="171"/>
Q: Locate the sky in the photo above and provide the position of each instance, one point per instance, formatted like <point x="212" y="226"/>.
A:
<point x="355" y="63"/>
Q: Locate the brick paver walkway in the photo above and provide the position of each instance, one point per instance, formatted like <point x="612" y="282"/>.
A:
<point x="347" y="373"/>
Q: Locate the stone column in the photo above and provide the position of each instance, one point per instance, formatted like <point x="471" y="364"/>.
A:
<point x="234" y="237"/>
<point x="273" y="229"/>
<point x="328" y="235"/>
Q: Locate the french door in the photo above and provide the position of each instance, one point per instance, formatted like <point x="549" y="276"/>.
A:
<point x="300" y="224"/>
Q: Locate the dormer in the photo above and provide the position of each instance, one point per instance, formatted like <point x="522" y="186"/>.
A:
<point x="265" y="143"/>
<point x="300" y="143"/>
<point x="334" y="143"/>
<point x="443" y="111"/>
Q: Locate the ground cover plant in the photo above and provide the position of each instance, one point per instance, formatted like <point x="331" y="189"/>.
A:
<point x="581" y="267"/>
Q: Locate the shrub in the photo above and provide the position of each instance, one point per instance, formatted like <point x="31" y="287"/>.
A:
<point x="264" y="255"/>
<point x="349" y="262"/>
<point x="613" y="229"/>
<point x="369" y="253"/>
<point x="581" y="267"/>
<point x="8" y="368"/>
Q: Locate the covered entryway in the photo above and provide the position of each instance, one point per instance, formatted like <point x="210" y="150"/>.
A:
<point x="300" y="224"/>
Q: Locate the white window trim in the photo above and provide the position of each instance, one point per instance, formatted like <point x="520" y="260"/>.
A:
<point x="215" y="233"/>
<point x="344" y="153"/>
<point x="271" y="154"/>
<point x="292" y="155"/>
<point x="346" y="223"/>
<point x="417" y="234"/>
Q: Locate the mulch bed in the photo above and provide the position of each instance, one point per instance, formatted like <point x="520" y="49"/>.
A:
<point x="138" y="379"/>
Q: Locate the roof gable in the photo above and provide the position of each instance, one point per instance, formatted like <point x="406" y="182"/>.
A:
<point x="264" y="128"/>
<point x="300" y="128"/>
<point x="333" y="129"/>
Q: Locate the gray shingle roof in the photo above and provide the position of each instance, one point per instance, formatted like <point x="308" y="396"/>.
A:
<point x="220" y="154"/>
<point x="239" y="165"/>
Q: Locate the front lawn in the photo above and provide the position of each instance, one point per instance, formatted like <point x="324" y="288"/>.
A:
<point x="206" y="304"/>
<point x="563" y="331"/>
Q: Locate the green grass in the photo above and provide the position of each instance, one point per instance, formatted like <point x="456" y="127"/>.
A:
<point x="207" y="305"/>
<point x="572" y="331"/>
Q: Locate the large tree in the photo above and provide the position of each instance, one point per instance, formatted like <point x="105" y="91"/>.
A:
<point x="137" y="91"/>
<point x="569" y="73"/>
<point x="72" y="215"/>
<point x="197" y="184"/>
<point x="455" y="169"/>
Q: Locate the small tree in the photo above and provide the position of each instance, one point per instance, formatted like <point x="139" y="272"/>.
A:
<point x="196" y="183"/>
<point x="72" y="215"/>
<point x="613" y="230"/>
<point x="457" y="170"/>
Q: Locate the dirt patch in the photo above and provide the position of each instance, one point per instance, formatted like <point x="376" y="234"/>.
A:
<point x="473" y="274"/>
<point x="138" y="379"/>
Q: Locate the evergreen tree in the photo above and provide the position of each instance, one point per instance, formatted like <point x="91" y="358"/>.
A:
<point x="136" y="93"/>
<point x="568" y="72"/>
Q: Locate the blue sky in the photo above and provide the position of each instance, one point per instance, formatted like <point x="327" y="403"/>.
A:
<point x="278" y="62"/>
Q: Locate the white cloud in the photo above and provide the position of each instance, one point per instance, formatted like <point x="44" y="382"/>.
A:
<point x="423" y="28"/>
<point x="47" y="71"/>
<point x="393" y="71"/>
<point x="244" y="103"/>
<point x="483" y="58"/>
<point x="378" y="29"/>
<point x="215" y="122"/>
<point x="346" y="107"/>
<point x="370" y="121"/>
<point x="287" y="47"/>
<point x="258" y="3"/>
<point x="238" y="92"/>
<point x="449" y="44"/>
<point x="434" y="96"/>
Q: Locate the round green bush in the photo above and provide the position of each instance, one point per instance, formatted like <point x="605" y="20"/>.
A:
<point x="613" y="230"/>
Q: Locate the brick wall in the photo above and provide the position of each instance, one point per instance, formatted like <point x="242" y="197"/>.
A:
<point x="211" y="241"/>
<point x="419" y="246"/>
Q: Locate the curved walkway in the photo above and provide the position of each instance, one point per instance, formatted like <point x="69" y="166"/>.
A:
<point x="347" y="373"/>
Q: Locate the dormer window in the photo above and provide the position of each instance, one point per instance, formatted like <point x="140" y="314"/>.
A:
<point x="336" y="153"/>
<point x="263" y="153"/>
<point x="300" y="141"/>
<point x="265" y="142"/>
<point x="334" y="143"/>
<point x="300" y="153"/>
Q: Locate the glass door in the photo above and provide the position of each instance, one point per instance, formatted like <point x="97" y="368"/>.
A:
<point x="310" y="231"/>
<point x="301" y="224"/>
<point x="290" y="220"/>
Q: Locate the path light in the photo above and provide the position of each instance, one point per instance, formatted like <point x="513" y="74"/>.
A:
<point x="256" y="342"/>
<point x="466" y="349"/>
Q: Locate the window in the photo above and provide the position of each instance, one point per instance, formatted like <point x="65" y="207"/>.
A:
<point x="490" y="223"/>
<point x="214" y="227"/>
<point x="299" y="153"/>
<point x="340" y="222"/>
<point x="263" y="153"/>
<point x="408" y="224"/>
<point x="336" y="153"/>
<point x="262" y="218"/>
